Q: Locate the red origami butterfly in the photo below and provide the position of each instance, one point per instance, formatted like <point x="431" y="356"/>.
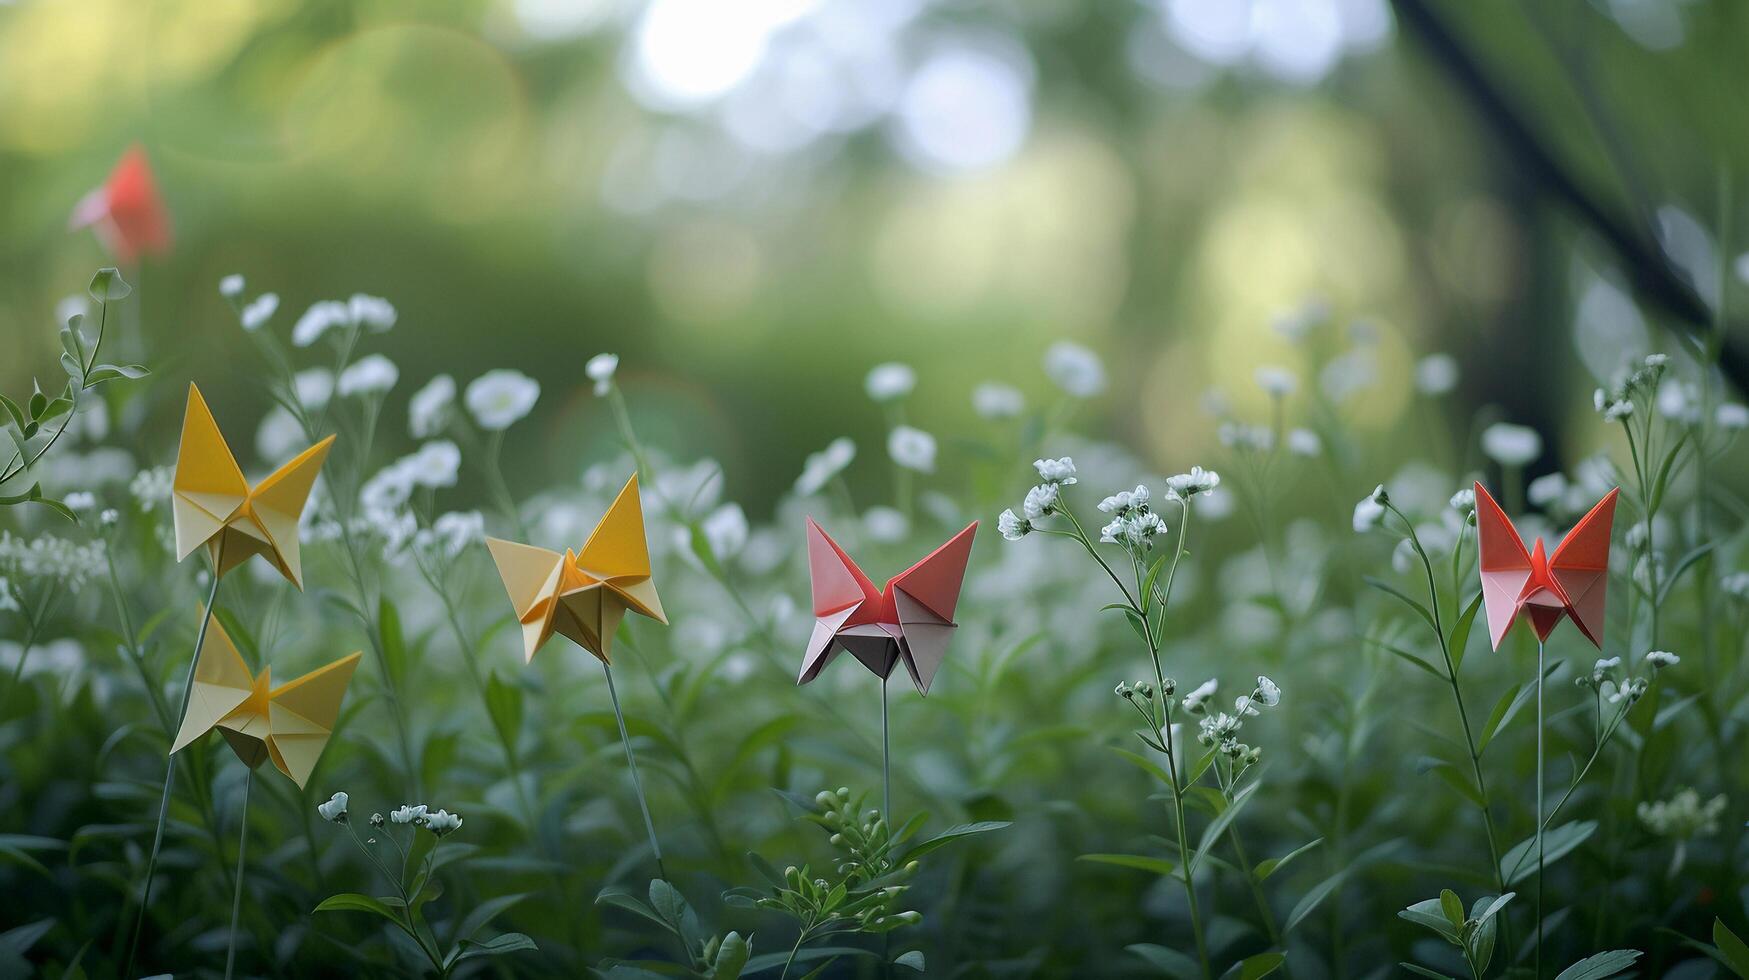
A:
<point x="1544" y="587"/>
<point x="910" y="621"/>
<point x="126" y="212"/>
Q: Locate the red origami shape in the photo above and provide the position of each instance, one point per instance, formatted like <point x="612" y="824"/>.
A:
<point x="910" y="621"/>
<point x="1544" y="587"/>
<point x="127" y="213"/>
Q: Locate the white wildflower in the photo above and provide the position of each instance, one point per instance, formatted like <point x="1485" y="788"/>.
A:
<point x="1061" y="470"/>
<point x="1276" y="381"/>
<point x="1683" y="816"/>
<point x="443" y="823"/>
<point x="1731" y="417"/>
<point x="1736" y="585"/>
<point x="152" y="487"/>
<point x="428" y="411"/>
<point x="1040" y="501"/>
<point x="320" y="318"/>
<point x="1660" y="659"/>
<point x="279" y="435"/>
<point x="371" y="311"/>
<point x="333" y="811"/>
<point x="600" y="369"/>
<point x="1123" y="501"/>
<point x="725" y="530"/>
<point x="1511" y="445"/>
<point x="1010" y="525"/>
<point x="821" y="467"/>
<point x="312" y="387"/>
<point x="1075" y="369"/>
<point x="259" y="311"/>
<point x="887" y="525"/>
<point x="231" y="286"/>
<point x="1268" y="692"/>
<point x="1436" y="374"/>
<point x="500" y="398"/>
<point x="1195" y="700"/>
<point x="992" y="400"/>
<point x="1187" y="485"/>
<point x="890" y="381"/>
<point x="409" y="814"/>
<point x="1546" y="490"/>
<point x="80" y="500"/>
<point x="372" y="374"/>
<point x="1369" y="511"/>
<point x="912" y="448"/>
<point x="436" y="464"/>
<point x="1464" y="500"/>
<point x="1304" y="442"/>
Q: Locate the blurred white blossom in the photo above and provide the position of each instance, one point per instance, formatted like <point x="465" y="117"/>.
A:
<point x="890" y="381"/>
<point x="259" y="311"/>
<point x="372" y="374"/>
<point x="601" y="369"/>
<point x="500" y="398"/>
<point x="1436" y="374"/>
<point x="885" y="524"/>
<point x="912" y="448"/>
<point x="821" y="467"/>
<point x="1511" y="445"/>
<point x="428" y="411"/>
<point x="1075" y="369"/>
<point x="1276" y="381"/>
<point x="993" y="400"/>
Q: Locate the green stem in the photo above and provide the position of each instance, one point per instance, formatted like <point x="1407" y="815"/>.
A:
<point x="237" y="894"/>
<point x="632" y="762"/>
<point x="1539" y="809"/>
<point x="170" y="765"/>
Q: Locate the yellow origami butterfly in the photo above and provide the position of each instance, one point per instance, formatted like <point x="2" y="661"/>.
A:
<point x="289" y="724"/>
<point x="212" y="504"/>
<point x="583" y="595"/>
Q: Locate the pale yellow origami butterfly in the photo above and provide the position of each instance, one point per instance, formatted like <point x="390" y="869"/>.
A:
<point x="289" y="724"/>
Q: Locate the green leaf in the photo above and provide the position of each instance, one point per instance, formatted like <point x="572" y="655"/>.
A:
<point x="60" y="406"/>
<point x="108" y="284"/>
<point x="485" y="912"/>
<point x="1731" y="948"/>
<point x="1422" y="971"/>
<point x="630" y="903"/>
<point x="1519" y="862"/>
<point x="1145" y="764"/>
<point x="1683" y="564"/>
<point x="1315" y="897"/>
<point x="1219" y="824"/>
<point x="1168" y="961"/>
<point x="1141" y="862"/>
<point x="1255" y="967"/>
<point x="1487" y="930"/>
<point x="509" y="942"/>
<point x="354" y="902"/>
<point x="1453" y="907"/>
<point x="109" y="372"/>
<point x="732" y="954"/>
<point x="394" y="642"/>
<point x="950" y="835"/>
<point x="1460" y="633"/>
<point x="773" y="961"/>
<point x="1269" y="866"/>
<point x="71" y="366"/>
<point x="1454" y="778"/>
<point x="1410" y="658"/>
<point x="1403" y="597"/>
<point x="911" y="960"/>
<point x="13" y="411"/>
<point x="1430" y="913"/>
<point x="1504" y="708"/>
<point x="668" y="903"/>
<point x="1600" y="965"/>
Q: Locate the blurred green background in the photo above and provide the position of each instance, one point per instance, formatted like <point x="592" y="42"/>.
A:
<point x="753" y="202"/>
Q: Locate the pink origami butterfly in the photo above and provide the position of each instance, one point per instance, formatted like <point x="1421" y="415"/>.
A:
<point x="910" y="621"/>
<point x="1545" y="588"/>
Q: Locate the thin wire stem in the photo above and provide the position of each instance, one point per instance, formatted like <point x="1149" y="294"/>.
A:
<point x="1539" y="809"/>
<point x="206" y="618"/>
<point x="632" y="762"/>
<point x="237" y="895"/>
<point x="886" y="758"/>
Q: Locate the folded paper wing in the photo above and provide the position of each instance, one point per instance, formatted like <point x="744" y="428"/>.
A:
<point x="583" y="596"/>
<point x="290" y="724"/>
<point x="1580" y="566"/>
<point x="213" y="505"/>
<point x="1571" y="583"/>
<point x="909" y="622"/>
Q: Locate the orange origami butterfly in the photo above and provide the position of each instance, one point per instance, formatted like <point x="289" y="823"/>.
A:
<point x="583" y="594"/>
<point x="1544" y="588"/>
<point x="212" y="504"/>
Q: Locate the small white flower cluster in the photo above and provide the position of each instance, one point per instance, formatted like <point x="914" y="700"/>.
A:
<point x="1276" y="381"/>
<point x="439" y="822"/>
<point x="48" y="558"/>
<point x="451" y="533"/>
<point x="912" y="448"/>
<point x="372" y="313"/>
<point x="1041" y="500"/>
<point x="370" y="375"/>
<point x="1683" y="816"/>
<point x="1221" y="728"/>
<point x="254" y="314"/>
<point x="1612" y="408"/>
<point x="890" y="382"/>
<point x="992" y="400"/>
<point x="1436" y="374"/>
<point x="428" y="412"/>
<point x="821" y="467"/>
<point x="152" y="487"/>
<point x="1616" y="687"/>
<point x="1253" y="438"/>
<point x="1074" y="369"/>
<point x="1187" y="485"/>
<point x="334" y="811"/>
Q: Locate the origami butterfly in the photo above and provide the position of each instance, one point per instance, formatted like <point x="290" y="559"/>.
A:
<point x="583" y="594"/>
<point x="126" y="212"/>
<point x="1543" y="587"/>
<point x="289" y="724"/>
<point x="213" y="505"/>
<point x="909" y="621"/>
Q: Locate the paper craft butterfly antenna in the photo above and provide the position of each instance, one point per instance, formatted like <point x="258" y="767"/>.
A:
<point x="289" y="724"/>
<point x="1540" y="587"/>
<point x="583" y="595"/>
<point x="212" y="504"/>
<point x="909" y="622"/>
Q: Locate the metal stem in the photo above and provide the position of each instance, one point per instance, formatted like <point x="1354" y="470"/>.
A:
<point x="1539" y="809"/>
<point x="631" y="760"/>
